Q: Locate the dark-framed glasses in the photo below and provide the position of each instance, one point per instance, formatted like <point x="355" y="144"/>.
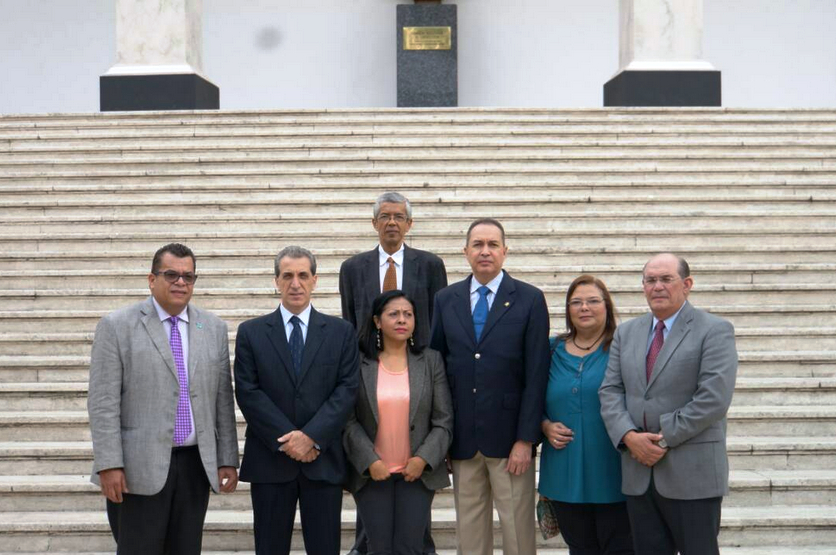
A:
<point x="171" y="276"/>
<point x="594" y="302"/>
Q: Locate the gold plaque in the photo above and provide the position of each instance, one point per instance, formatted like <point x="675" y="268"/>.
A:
<point x="427" y="38"/>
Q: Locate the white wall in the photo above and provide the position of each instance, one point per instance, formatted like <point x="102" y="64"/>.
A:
<point x="340" y="53"/>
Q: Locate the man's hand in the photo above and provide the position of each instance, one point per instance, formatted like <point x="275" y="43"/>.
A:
<point x="557" y="434"/>
<point x="310" y="456"/>
<point x="378" y="471"/>
<point x="113" y="483"/>
<point x="228" y="478"/>
<point x="643" y="448"/>
<point x="296" y="445"/>
<point x="520" y="458"/>
<point x="414" y="468"/>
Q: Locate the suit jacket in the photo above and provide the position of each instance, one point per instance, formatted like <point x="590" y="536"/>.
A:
<point x="687" y="399"/>
<point x="430" y="420"/>
<point x="499" y="383"/>
<point x="423" y="276"/>
<point x="275" y="402"/>
<point x="134" y="391"/>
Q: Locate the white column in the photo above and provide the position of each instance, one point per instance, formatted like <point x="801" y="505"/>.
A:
<point x="158" y="37"/>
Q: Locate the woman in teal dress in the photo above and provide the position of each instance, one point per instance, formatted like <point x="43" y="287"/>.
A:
<point x="580" y="470"/>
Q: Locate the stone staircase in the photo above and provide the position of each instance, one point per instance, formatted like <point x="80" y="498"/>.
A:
<point x="748" y="197"/>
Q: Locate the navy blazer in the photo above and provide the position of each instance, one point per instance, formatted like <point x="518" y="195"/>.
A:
<point x="499" y="383"/>
<point x="274" y="402"/>
<point x="423" y="276"/>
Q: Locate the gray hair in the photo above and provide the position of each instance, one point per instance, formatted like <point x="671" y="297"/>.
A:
<point x="294" y="251"/>
<point x="391" y="196"/>
<point x="682" y="267"/>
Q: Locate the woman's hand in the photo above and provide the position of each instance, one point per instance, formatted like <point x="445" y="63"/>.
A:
<point x="378" y="471"/>
<point x="557" y="434"/>
<point x="414" y="468"/>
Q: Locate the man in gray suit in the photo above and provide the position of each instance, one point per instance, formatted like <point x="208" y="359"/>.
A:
<point x="162" y="413"/>
<point x="664" y="400"/>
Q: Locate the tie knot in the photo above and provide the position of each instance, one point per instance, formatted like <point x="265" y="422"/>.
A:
<point x="390" y="260"/>
<point x="660" y="325"/>
<point x="295" y="320"/>
<point x="174" y="320"/>
<point x="483" y="291"/>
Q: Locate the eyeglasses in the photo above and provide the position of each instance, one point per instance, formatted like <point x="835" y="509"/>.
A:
<point x="399" y="218"/>
<point x="664" y="280"/>
<point x="591" y="303"/>
<point x="171" y="276"/>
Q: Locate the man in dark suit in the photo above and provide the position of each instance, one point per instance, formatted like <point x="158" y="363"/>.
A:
<point x="295" y="380"/>
<point x="162" y="414"/>
<point x="392" y="265"/>
<point x="664" y="400"/>
<point x="493" y="333"/>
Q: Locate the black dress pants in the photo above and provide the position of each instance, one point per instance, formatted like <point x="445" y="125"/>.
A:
<point x="274" y="508"/>
<point x="169" y="522"/>
<point x="661" y="526"/>
<point x="394" y="513"/>
<point x="361" y="541"/>
<point x="595" y="528"/>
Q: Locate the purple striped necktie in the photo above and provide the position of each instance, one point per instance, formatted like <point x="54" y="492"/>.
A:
<point x="182" y="424"/>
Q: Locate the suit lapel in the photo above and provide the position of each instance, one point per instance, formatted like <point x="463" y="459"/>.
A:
<point x="680" y="329"/>
<point x="461" y="306"/>
<point x="368" y="369"/>
<point x="156" y="331"/>
<point x="417" y="372"/>
<point x="502" y="303"/>
<point x="316" y="335"/>
<point x="639" y="346"/>
<point x="371" y="276"/>
<point x="410" y="271"/>
<point x="195" y="341"/>
<point x="278" y="338"/>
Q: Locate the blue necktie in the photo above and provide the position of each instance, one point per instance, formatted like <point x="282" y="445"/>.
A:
<point x="480" y="312"/>
<point x="297" y="344"/>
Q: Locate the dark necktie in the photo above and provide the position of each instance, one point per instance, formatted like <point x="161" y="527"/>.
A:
<point x="390" y="280"/>
<point x="182" y="422"/>
<point x="655" y="347"/>
<point x="480" y="311"/>
<point x="297" y="344"/>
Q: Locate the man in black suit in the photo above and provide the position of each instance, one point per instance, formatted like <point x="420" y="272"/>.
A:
<point x="419" y="274"/>
<point x="493" y="332"/>
<point x="392" y="265"/>
<point x="296" y="378"/>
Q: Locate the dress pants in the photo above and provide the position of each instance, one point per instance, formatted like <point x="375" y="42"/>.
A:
<point x="169" y="522"/>
<point x="478" y="484"/>
<point x="361" y="540"/>
<point x="595" y="528"/>
<point x="661" y="526"/>
<point x="274" y="509"/>
<point x="395" y="512"/>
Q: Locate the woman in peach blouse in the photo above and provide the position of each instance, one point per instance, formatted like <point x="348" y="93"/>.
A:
<point x="399" y="433"/>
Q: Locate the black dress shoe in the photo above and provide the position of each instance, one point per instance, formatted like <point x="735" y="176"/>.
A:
<point x="355" y="552"/>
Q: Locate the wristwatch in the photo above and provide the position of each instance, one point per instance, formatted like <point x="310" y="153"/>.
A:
<point x="662" y="443"/>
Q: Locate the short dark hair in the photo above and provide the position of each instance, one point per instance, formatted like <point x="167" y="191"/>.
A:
<point x="295" y="251"/>
<point x="612" y="314"/>
<point x="368" y="331"/>
<point x="175" y="249"/>
<point x="485" y="221"/>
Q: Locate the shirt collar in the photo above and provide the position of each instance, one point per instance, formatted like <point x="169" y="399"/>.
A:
<point x="165" y="315"/>
<point x="493" y="284"/>
<point x="305" y="315"/>
<point x="670" y="320"/>
<point x="383" y="256"/>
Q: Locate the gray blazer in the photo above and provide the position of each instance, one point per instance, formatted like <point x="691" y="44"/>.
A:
<point x="134" y="390"/>
<point x="687" y="398"/>
<point x="430" y="420"/>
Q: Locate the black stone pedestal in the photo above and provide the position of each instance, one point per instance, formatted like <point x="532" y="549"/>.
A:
<point x="186" y="91"/>
<point x="427" y="77"/>
<point x="663" y="88"/>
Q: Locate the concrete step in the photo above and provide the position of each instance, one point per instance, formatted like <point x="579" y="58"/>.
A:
<point x="763" y="420"/>
<point x="791" y="526"/>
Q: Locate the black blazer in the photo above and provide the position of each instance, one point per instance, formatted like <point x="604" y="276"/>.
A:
<point x="274" y="402"/>
<point x="424" y="275"/>
<point x="430" y="420"/>
<point x="499" y="383"/>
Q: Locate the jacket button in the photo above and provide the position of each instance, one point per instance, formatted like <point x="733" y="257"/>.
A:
<point x="474" y="390"/>
<point x="477" y="356"/>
